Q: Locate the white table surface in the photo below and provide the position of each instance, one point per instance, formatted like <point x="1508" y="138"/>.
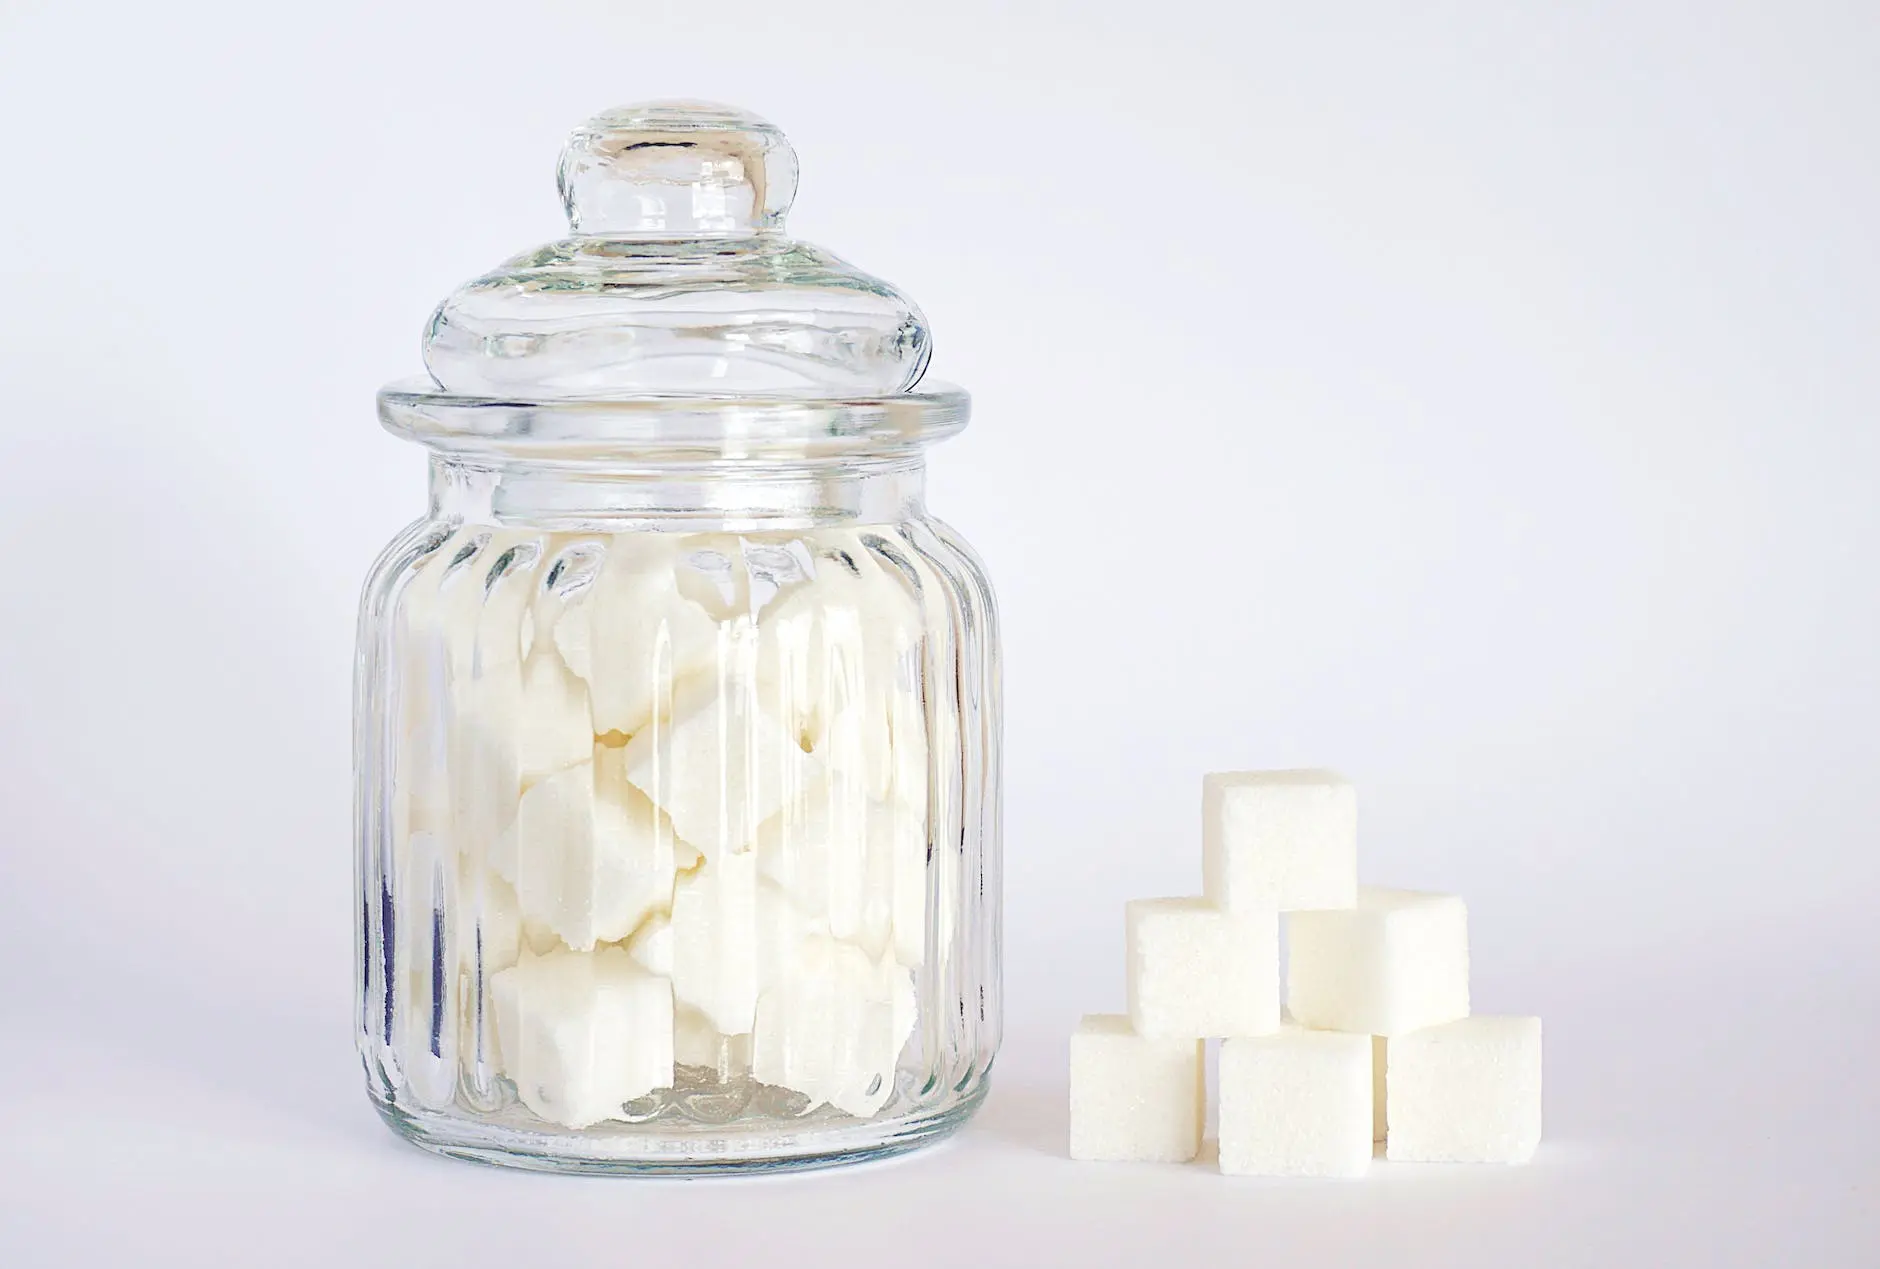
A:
<point x="1719" y="1116"/>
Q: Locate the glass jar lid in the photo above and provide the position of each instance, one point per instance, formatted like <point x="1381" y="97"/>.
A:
<point x="677" y="314"/>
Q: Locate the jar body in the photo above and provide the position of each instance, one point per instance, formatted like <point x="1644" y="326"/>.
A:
<point x="678" y="819"/>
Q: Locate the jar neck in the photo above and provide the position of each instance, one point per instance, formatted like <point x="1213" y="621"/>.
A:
<point x="679" y="499"/>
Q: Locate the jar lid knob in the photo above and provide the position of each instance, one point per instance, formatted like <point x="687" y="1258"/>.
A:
<point x="676" y="169"/>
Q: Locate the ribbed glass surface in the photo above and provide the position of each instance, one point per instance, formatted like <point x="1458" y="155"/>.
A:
<point x="677" y="850"/>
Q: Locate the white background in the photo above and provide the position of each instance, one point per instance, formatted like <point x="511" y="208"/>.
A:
<point x="1478" y="398"/>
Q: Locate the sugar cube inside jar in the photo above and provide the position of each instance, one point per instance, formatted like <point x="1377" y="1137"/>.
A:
<point x="678" y="715"/>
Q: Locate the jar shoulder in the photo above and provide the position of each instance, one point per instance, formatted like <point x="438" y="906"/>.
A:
<point x="736" y="573"/>
<point x="414" y="546"/>
<point x="967" y="569"/>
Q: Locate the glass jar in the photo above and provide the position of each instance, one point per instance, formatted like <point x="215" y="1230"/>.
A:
<point x="678" y="716"/>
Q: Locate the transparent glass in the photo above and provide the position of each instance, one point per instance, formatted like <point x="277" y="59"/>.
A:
<point x="678" y="716"/>
<point x="678" y="834"/>
<point x="676" y="277"/>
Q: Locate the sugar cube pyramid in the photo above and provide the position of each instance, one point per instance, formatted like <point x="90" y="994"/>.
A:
<point x="1375" y="1044"/>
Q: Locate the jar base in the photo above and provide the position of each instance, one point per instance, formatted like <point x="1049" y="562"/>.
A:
<point x="728" y="1150"/>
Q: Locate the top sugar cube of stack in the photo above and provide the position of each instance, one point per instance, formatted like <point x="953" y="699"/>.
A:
<point x="1279" y="840"/>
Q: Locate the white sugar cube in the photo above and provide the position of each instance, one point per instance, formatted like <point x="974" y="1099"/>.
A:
<point x="651" y="944"/>
<point x="510" y="578"/>
<point x="1134" y="1099"/>
<point x="442" y="897"/>
<point x="1281" y="840"/>
<point x="588" y="855"/>
<point x="538" y="939"/>
<point x="908" y="897"/>
<point x="522" y="699"/>
<point x="554" y="728"/>
<point x="466" y="606"/>
<point x="858" y="863"/>
<point x="421" y="604"/>
<point x="695" y="1042"/>
<point x="907" y="734"/>
<point x="733" y="934"/>
<point x="489" y="939"/>
<point x="634" y="632"/>
<point x="1197" y="972"/>
<point x="1296" y="1104"/>
<point x="510" y="726"/>
<point x="583" y="1033"/>
<point x="432" y="652"/>
<point x="832" y="1026"/>
<point x="570" y="570"/>
<point x="720" y="765"/>
<point x="841" y="654"/>
<point x="488" y="923"/>
<point x="483" y="785"/>
<point x="1466" y="1092"/>
<point x="1380" y="1056"/>
<point x="714" y="942"/>
<point x="1397" y="962"/>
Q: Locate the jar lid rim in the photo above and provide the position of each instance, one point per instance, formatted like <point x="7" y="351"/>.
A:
<point x="673" y="425"/>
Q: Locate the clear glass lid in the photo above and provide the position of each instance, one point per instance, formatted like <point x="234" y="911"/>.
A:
<point x="677" y="312"/>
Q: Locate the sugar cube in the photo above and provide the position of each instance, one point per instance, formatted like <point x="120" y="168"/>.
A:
<point x="907" y="732"/>
<point x="489" y="939"/>
<point x="713" y="948"/>
<point x="487" y="924"/>
<point x="842" y="655"/>
<point x="1466" y="1092"/>
<point x="1134" y="1099"/>
<point x="427" y="648"/>
<point x="512" y="724"/>
<point x="833" y="1024"/>
<point x="695" y="1042"/>
<point x="1397" y="962"/>
<point x="1380" y="1055"/>
<point x="720" y="765"/>
<point x="1296" y="1104"/>
<point x="589" y="857"/>
<point x="539" y="939"/>
<point x="509" y="575"/>
<point x="632" y="633"/>
<point x="651" y="944"/>
<point x="583" y="1033"/>
<point x="1197" y="972"/>
<point x="859" y="863"/>
<point x="1282" y="840"/>
<point x="732" y="934"/>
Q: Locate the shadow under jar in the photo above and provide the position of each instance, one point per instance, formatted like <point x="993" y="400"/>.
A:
<point x="678" y="716"/>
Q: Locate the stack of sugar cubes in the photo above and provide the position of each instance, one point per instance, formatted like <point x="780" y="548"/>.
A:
<point x="1375" y="1043"/>
<point x="662" y="797"/>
